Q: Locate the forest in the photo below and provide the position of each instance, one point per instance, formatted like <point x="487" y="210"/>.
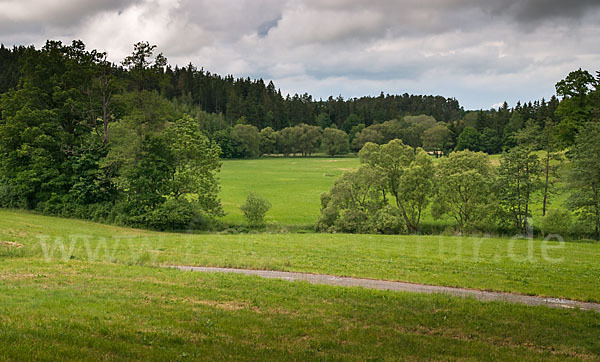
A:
<point x="139" y="143"/>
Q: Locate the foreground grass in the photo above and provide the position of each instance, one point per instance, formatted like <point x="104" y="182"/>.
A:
<point x="296" y="181"/>
<point x="569" y="270"/>
<point x="80" y="310"/>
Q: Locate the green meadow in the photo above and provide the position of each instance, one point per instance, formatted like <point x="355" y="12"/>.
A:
<point x="568" y="270"/>
<point x="292" y="185"/>
<point x="98" y="311"/>
<point x="81" y="290"/>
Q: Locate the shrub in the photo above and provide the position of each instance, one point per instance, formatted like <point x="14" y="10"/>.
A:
<point x="9" y="197"/>
<point x="556" y="221"/>
<point x="173" y="214"/>
<point x="255" y="209"/>
<point x="353" y="221"/>
<point x="389" y="221"/>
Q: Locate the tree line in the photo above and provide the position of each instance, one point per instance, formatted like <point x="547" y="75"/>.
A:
<point x="262" y="105"/>
<point x="220" y="103"/>
<point x="139" y="143"/>
<point x="396" y="183"/>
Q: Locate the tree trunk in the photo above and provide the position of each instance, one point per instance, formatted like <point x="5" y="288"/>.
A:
<point x="404" y="215"/>
<point x="106" y="99"/>
<point x="547" y="175"/>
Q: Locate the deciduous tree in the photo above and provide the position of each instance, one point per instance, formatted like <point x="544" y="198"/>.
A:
<point x="335" y="142"/>
<point x="464" y="188"/>
<point x="584" y="178"/>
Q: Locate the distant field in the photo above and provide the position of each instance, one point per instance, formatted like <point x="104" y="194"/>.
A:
<point x="292" y="185"/>
<point x="500" y="264"/>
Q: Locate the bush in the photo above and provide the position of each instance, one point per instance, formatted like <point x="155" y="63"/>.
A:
<point x="9" y="197"/>
<point x="255" y="209"/>
<point x="389" y="221"/>
<point x="353" y="221"/>
<point x="173" y="214"/>
<point x="556" y="221"/>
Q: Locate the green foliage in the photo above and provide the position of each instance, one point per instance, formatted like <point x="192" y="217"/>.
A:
<point x="388" y="220"/>
<point x="58" y="158"/>
<point x="268" y="140"/>
<point x="228" y="147"/>
<point x="576" y="85"/>
<point x="437" y="139"/>
<point x="309" y="139"/>
<point x="145" y="70"/>
<point x="255" y="209"/>
<point x="367" y="135"/>
<point x="584" y="178"/>
<point x="533" y="138"/>
<point x="413" y="129"/>
<point x="464" y="189"/>
<point x="335" y="142"/>
<point x="146" y="179"/>
<point x="173" y="214"/>
<point x="322" y="120"/>
<point x="407" y="176"/>
<point x="556" y="221"/>
<point x="469" y="139"/>
<point x="518" y="180"/>
<point x="46" y="122"/>
<point x="577" y="106"/>
<point x="515" y="124"/>
<point x="287" y="140"/>
<point x="410" y="129"/>
<point x="196" y="164"/>
<point x="78" y="132"/>
<point x="490" y="141"/>
<point x="358" y="201"/>
<point x="353" y="198"/>
<point x="350" y="122"/>
<point x="247" y="140"/>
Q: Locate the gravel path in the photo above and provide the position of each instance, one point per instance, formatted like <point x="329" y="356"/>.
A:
<point x="401" y="286"/>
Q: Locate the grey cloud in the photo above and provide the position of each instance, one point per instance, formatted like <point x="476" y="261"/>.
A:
<point x="477" y="51"/>
<point x="61" y="13"/>
<point x="263" y="29"/>
<point x="229" y="18"/>
<point x="534" y="11"/>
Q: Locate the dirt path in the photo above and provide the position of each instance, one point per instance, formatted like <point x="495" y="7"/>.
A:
<point x="401" y="286"/>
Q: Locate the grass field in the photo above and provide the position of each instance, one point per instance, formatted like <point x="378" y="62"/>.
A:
<point x="570" y="270"/>
<point x="100" y="311"/>
<point x="292" y="185"/>
<point x="94" y="305"/>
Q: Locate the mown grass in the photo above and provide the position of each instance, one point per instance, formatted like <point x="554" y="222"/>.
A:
<point x="101" y="311"/>
<point x="569" y="270"/>
<point x="292" y="185"/>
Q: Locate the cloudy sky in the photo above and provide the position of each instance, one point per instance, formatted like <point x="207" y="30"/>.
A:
<point x="480" y="52"/>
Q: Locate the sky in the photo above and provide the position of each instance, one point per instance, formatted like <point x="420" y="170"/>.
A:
<point x="480" y="52"/>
